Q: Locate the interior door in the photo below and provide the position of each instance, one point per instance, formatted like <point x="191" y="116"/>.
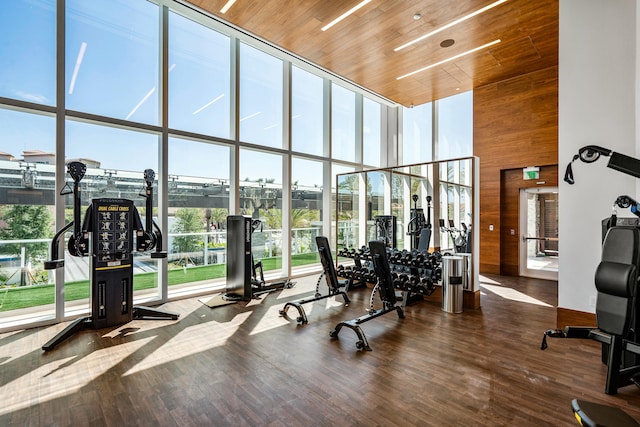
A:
<point x="539" y="232"/>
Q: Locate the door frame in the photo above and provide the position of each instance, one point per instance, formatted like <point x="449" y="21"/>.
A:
<point x="522" y="245"/>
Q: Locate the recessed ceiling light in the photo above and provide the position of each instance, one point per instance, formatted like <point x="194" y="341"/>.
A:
<point x="447" y="43"/>
<point x="417" y="16"/>
<point x="227" y="6"/>
<point x="451" y="24"/>
<point x="449" y="59"/>
<point x="344" y="15"/>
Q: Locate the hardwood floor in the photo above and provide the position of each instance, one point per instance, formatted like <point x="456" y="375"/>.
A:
<point x="243" y="365"/>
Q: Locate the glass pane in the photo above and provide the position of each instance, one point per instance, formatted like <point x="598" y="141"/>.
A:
<point x="542" y="228"/>
<point x="343" y="123"/>
<point x="261" y="93"/>
<point x="348" y="201"/>
<point x="112" y="58"/>
<point x="198" y="210"/>
<point x="371" y="133"/>
<point x="28" y="51"/>
<point x="199" y="78"/>
<point x="306" y="211"/>
<point x="400" y="202"/>
<point x="115" y="160"/>
<point x="306" y="112"/>
<point x="261" y="198"/>
<point x="455" y="126"/>
<point x="377" y="189"/>
<point x="336" y="200"/>
<point x="416" y="134"/>
<point x="27" y="164"/>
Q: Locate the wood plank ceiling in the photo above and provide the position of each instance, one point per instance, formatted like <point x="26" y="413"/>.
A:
<point x="361" y="47"/>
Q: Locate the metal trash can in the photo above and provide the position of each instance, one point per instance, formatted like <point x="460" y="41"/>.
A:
<point x="452" y="283"/>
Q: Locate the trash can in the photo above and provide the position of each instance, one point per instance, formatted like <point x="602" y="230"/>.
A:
<point x="452" y="283"/>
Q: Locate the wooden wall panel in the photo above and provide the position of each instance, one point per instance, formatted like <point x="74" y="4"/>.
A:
<point x="567" y="317"/>
<point x="515" y="126"/>
<point x="511" y="183"/>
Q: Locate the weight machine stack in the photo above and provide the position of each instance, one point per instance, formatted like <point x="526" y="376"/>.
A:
<point x="245" y="278"/>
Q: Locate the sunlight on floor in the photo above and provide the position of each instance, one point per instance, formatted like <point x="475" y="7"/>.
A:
<point x="82" y="371"/>
<point x="512" y="294"/>
<point x="187" y="343"/>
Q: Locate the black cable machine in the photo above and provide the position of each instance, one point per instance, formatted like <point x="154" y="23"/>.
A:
<point x="419" y="228"/>
<point x="385" y="226"/>
<point x="384" y="287"/>
<point x="616" y="280"/>
<point x="245" y="278"/>
<point x="329" y="273"/>
<point x="106" y="235"/>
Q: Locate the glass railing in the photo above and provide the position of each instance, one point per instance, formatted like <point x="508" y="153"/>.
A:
<point x="26" y="287"/>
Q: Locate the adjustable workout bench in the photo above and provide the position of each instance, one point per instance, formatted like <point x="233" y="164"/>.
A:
<point x="387" y="295"/>
<point x="329" y="273"/>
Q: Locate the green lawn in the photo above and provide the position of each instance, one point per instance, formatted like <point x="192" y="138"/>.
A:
<point x="32" y="296"/>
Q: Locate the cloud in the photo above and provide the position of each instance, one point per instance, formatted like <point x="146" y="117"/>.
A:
<point x="40" y="99"/>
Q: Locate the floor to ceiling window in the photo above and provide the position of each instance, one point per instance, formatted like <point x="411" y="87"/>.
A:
<point x="199" y="78"/>
<point x="224" y="121"/>
<point x="306" y="212"/>
<point x="116" y="160"/>
<point x="261" y="97"/>
<point x="261" y="195"/>
<point x="28" y="51"/>
<point x="417" y="134"/>
<point x="371" y="133"/>
<point x="455" y="126"/>
<point x="343" y="124"/>
<point x="307" y="112"/>
<point x="112" y="59"/>
<point x="27" y="197"/>
<point x="198" y="191"/>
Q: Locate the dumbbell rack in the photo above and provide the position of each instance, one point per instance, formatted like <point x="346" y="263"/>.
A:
<point x="416" y="272"/>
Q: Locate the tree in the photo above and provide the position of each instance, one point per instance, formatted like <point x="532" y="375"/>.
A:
<point x="24" y="222"/>
<point x="188" y="220"/>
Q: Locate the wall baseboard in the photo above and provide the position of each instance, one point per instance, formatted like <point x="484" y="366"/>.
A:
<point x="567" y="317"/>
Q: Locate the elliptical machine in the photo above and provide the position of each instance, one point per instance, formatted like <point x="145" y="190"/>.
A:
<point x="106" y="235"/>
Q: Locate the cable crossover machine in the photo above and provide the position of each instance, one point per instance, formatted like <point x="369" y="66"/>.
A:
<point x="106" y="235"/>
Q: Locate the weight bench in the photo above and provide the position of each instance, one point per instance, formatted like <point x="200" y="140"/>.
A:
<point x="387" y="294"/>
<point x="329" y="273"/>
<point x="617" y="313"/>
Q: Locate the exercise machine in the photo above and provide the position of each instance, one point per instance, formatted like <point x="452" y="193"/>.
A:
<point x="386" y="226"/>
<point x="591" y="414"/>
<point x="106" y="235"/>
<point x="591" y="153"/>
<point x="617" y="304"/>
<point x="336" y="286"/>
<point x="384" y="288"/>
<point x="245" y="278"/>
<point x="460" y="238"/>
<point x="616" y="308"/>
<point x="419" y="228"/>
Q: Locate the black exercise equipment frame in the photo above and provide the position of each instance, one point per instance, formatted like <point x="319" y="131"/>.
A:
<point x="333" y="283"/>
<point x="105" y="307"/>
<point x="387" y="295"/>
<point x="617" y="309"/>
<point x="245" y="277"/>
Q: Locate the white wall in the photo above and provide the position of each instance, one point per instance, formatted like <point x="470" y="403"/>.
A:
<point x="597" y="106"/>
